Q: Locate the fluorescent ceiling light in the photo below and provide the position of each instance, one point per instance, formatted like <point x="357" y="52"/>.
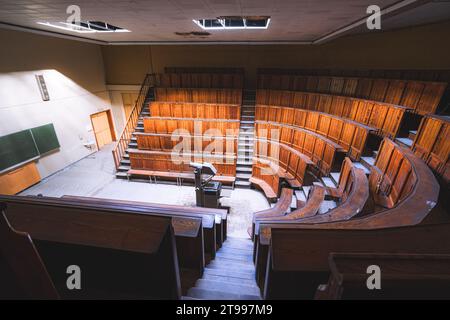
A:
<point x="233" y="23"/>
<point x="85" y="27"/>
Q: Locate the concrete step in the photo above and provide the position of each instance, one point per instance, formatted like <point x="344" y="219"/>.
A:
<point x="335" y="176"/>
<point x="328" y="182"/>
<point x="233" y="265"/>
<point x="121" y="175"/>
<point x="123" y="168"/>
<point x="243" y="184"/>
<point x="248" y="282"/>
<point x="227" y="287"/>
<point x="326" y="206"/>
<point x="404" y="141"/>
<point x="244" y="163"/>
<point x="218" y="295"/>
<point x="243" y="169"/>
<point x="243" y="151"/>
<point x="247" y="122"/>
<point x="300" y="195"/>
<point x="368" y="160"/>
<point x="248" y="118"/>
<point x="133" y="145"/>
<point x="306" y="191"/>
<point x="246" y="275"/>
<point x="361" y="166"/>
<point x="244" y="176"/>
<point x="125" y="162"/>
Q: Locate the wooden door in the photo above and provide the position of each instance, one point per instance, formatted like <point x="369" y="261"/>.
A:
<point x="101" y="124"/>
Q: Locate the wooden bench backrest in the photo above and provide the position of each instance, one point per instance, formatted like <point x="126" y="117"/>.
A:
<point x="189" y="143"/>
<point x="23" y="275"/>
<point x="319" y="149"/>
<point x="422" y="96"/>
<point x="350" y="135"/>
<point x="164" y="161"/>
<point x="432" y="144"/>
<point x="186" y="79"/>
<point x="384" y="117"/>
<point x="101" y="241"/>
<point x="195" y="110"/>
<point x="425" y="276"/>
<point x="229" y="96"/>
<point x="209" y="127"/>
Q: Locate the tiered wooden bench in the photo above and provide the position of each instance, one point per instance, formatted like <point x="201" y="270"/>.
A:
<point x="403" y="276"/>
<point x="188" y="79"/>
<point x="179" y="176"/>
<point x="385" y="117"/>
<point x="214" y="221"/>
<point x="195" y="110"/>
<point x="187" y="143"/>
<point x="422" y="97"/>
<point x="432" y="144"/>
<point x="177" y="163"/>
<point x="135" y="249"/>
<point x="350" y="135"/>
<point x="405" y="193"/>
<point x="228" y="96"/>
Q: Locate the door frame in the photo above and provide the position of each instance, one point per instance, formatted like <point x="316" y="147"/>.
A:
<point x="110" y="124"/>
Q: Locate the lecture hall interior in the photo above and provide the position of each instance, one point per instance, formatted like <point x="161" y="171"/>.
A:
<point x="224" y="150"/>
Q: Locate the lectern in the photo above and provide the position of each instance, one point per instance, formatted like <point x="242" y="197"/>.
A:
<point x="207" y="192"/>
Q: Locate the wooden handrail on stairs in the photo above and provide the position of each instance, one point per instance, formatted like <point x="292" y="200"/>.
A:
<point x="150" y="81"/>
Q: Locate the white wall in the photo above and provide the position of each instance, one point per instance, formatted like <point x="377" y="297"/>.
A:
<point x="74" y="75"/>
<point x="115" y="96"/>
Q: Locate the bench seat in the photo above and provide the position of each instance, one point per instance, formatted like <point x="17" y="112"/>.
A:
<point x="179" y="176"/>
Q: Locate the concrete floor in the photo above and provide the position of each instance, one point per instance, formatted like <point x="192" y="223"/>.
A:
<point x="94" y="176"/>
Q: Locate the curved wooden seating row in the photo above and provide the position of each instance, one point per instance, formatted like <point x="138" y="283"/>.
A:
<point x="432" y="144"/>
<point x="405" y="276"/>
<point x="325" y="153"/>
<point x="230" y="96"/>
<point x="385" y="117"/>
<point x="128" y="245"/>
<point x="209" y="127"/>
<point x="179" y="162"/>
<point x="188" y="143"/>
<point x="421" y="96"/>
<point x="280" y="208"/>
<point x="352" y="202"/>
<point x="273" y="161"/>
<point x="201" y="80"/>
<point x="195" y="110"/>
<point x="413" y="192"/>
<point x="351" y="135"/>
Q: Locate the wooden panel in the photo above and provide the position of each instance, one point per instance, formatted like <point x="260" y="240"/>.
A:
<point x="379" y="89"/>
<point x="412" y="94"/>
<point x="431" y="96"/>
<point x="394" y="92"/>
<point x="19" y="179"/>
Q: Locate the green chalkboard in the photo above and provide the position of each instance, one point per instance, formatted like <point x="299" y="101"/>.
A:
<point x="45" y="138"/>
<point x="16" y="148"/>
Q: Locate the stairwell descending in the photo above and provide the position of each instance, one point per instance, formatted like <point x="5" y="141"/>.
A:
<point x="245" y="140"/>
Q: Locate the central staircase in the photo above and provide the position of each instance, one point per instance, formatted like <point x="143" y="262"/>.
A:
<point x="245" y="140"/>
<point x="230" y="276"/>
